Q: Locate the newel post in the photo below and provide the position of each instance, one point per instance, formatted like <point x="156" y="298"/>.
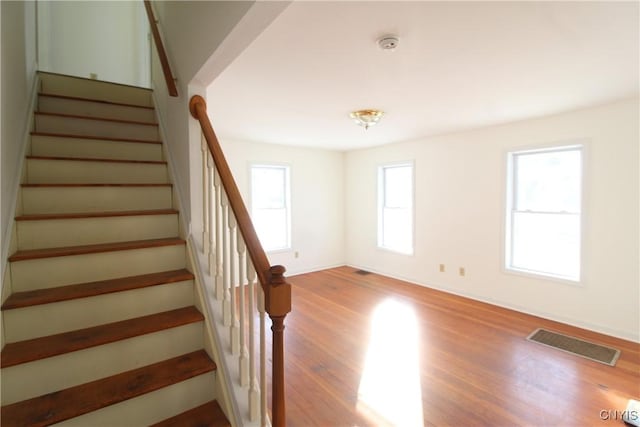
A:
<point x="278" y="304"/>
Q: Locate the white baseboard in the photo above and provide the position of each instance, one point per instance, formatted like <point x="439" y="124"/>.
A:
<point x="311" y="270"/>
<point x="549" y="316"/>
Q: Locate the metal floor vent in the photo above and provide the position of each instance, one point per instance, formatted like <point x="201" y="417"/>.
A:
<point x="362" y="272"/>
<point x="588" y="350"/>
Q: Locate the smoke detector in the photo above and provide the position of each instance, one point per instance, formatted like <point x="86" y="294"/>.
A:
<point x="388" y="42"/>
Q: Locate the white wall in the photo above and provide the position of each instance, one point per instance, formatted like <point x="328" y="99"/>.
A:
<point x="459" y="216"/>
<point x="191" y="31"/>
<point x="317" y="200"/>
<point x="108" y="38"/>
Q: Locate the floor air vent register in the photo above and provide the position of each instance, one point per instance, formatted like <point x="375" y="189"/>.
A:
<point x="588" y="350"/>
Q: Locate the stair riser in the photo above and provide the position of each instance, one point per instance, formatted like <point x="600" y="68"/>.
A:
<point x="151" y="407"/>
<point x="87" y="231"/>
<point x="83" y="313"/>
<point x="59" y="271"/>
<point x="45" y="171"/>
<point x="91" y="89"/>
<point x="39" y="200"/>
<point x="96" y="128"/>
<point x="47" y="104"/>
<point x="93" y="148"/>
<point x="48" y="375"/>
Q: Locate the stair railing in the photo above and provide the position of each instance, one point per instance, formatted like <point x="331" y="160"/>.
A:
<point x="228" y="236"/>
<point x="162" y="53"/>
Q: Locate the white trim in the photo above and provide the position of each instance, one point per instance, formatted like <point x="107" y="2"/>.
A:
<point x="380" y="196"/>
<point x="15" y="181"/>
<point x="168" y="156"/>
<point x="312" y="270"/>
<point x="287" y="199"/>
<point x="227" y="367"/>
<point x="509" y="197"/>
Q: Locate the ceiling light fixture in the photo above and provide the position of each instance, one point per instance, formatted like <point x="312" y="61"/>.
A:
<point x="366" y="118"/>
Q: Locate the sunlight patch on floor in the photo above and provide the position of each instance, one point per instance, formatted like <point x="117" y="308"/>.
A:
<point x="389" y="392"/>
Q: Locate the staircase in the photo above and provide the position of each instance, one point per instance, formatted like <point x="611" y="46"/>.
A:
<point x="101" y="325"/>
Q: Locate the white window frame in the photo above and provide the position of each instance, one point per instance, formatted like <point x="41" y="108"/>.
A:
<point x="510" y="210"/>
<point x="287" y="201"/>
<point x="381" y="207"/>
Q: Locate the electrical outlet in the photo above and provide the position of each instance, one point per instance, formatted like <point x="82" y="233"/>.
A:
<point x="296" y="254"/>
<point x="461" y="271"/>
<point x="441" y="268"/>
<point x="93" y="76"/>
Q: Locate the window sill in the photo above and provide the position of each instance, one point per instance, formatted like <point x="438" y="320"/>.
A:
<point x="541" y="276"/>
<point x="394" y="251"/>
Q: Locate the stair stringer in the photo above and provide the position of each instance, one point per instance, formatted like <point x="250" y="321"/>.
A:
<point x="9" y="242"/>
<point x="226" y="395"/>
<point x="233" y="403"/>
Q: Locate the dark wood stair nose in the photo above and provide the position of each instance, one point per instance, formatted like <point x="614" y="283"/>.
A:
<point x="84" y="290"/>
<point x="101" y="138"/>
<point x="75" y="401"/>
<point x="208" y="415"/>
<point x="66" y="342"/>
<point x="76" y="215"/>
<point x="91" y="249"/>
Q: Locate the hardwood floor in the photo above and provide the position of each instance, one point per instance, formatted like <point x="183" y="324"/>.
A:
<point x="366" y="350"/>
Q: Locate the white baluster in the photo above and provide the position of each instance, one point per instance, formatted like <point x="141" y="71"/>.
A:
<point x="254" y="390"/>
<point x="205" y="198"/>
<point x="235" y="345"/>
<point x="263" y="359"/>
<point x="243" y="364"/>
<point x="210" y="209"/>
<point x="219" y="240"/>
<point x="226" y="302"/>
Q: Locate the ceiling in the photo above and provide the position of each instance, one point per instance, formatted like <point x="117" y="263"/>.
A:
<point x="458" y="66"/>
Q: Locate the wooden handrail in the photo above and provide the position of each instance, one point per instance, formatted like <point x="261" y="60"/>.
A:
<point x="277" y="292"/>
<point x="162" y="53"/>
<point x="198" y="109"/>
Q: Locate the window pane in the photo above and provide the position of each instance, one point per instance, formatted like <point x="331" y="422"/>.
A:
<point x="395" y="215"/>
<point x="547" y="243"/>
<point x="397" y="230"/>
<point x="270" y="205"/>
<point x="268" y="187"/>
<point x="548" y="181"/>
<point x="397" y="186"/>
<point x="271" y="226"/>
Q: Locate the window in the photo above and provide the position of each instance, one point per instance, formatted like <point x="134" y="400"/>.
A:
<point x="270" y="209"/>
<point x="544" y="199"/>
<point x="395" y="207"/>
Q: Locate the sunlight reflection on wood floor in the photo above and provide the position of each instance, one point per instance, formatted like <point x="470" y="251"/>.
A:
<point x="374" y="351"/>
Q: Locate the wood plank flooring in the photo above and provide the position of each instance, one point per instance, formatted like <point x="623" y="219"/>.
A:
<point x="366" y="350"/>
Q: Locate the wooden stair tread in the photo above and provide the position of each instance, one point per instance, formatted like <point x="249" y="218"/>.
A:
<point x="90" y="289"/>
<point x="93" y="185"/>
<point x="90" y="159"/>
<point x="90" y="249"/>
<point x="72" y="402"/>
<point x="40" y="217"/>
<point x="100" y="138"/>
<point x="98" y="101"/>
<point x="67" y="342"/>
<point x="208" y="415"/>
<point x="99" y="119"/>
